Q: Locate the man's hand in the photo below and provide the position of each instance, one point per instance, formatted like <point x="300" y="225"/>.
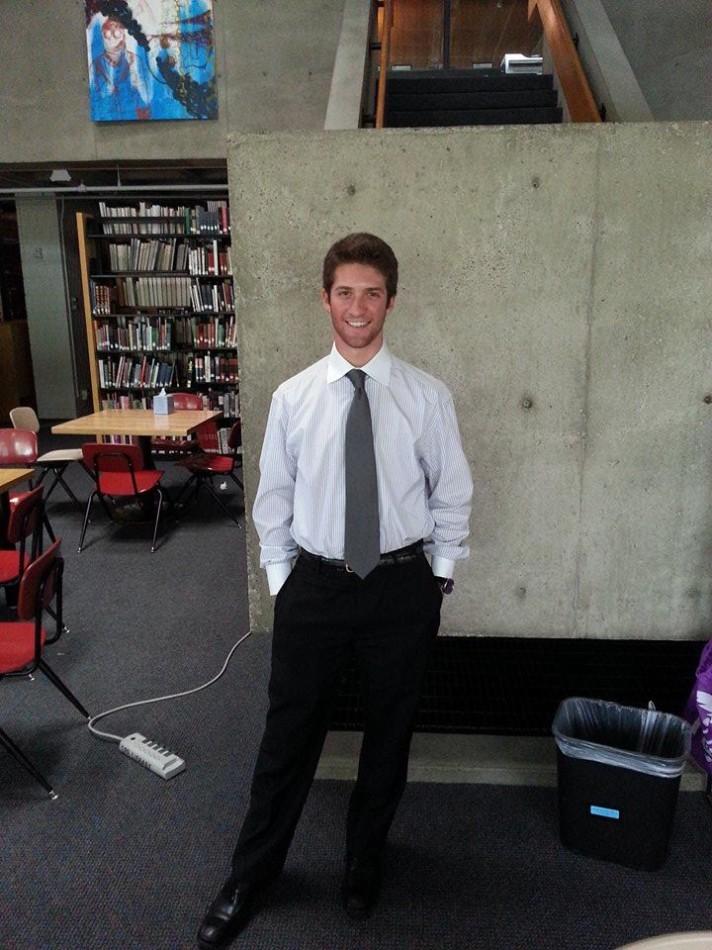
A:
<point x="447" y="584"/>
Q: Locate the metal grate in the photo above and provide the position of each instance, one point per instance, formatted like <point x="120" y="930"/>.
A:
<point x="512" y="686"/>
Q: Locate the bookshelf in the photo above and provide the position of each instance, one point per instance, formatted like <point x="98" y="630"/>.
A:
<point x="159" y="303"/>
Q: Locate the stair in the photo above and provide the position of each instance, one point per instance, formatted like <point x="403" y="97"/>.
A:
<point x="429" y="99"/>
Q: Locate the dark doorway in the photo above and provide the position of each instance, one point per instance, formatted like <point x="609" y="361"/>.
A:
<point x="16" y="380"/>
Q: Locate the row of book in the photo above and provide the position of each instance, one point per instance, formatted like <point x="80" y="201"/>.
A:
<point x="209" y="260"/>
<point x="161" y="333"/>
<point x="180" y="369"/>
<point x="170" y="255"/>
<point x="210" y="368"/>
<point x="135" y="372"/>
<point x="165" y="255"/>
<point x="206" y="334"/>
<point x="214" y="218"/>
<point x="228" y="401"/>
<point x="135" y="333"/>
<point x="167" y="292"/>
<point x="215" y="297"/>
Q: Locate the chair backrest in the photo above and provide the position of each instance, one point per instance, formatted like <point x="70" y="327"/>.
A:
<point x="112" y="457"/>
<point x="40" y="582"/>
<point x="24" y="417"/>
<point x="25" y="521"/>
<point x="187" y="401"/>
<point x="18" y="447"/>
<point x="106" y="457"/>
<point x="25" y="516"/>
<point x="207" y="435"/>
<point x="234" y="440"/>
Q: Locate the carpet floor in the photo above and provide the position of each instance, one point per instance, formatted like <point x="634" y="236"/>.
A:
<point x="125" y="860"/>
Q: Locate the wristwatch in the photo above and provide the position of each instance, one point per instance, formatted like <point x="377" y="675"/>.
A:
<point x="447" y="584"/>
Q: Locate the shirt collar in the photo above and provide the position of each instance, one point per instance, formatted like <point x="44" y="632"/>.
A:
<point x="378" y="367"/>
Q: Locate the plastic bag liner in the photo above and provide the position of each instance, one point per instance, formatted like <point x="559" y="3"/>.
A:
<point x="644" y="740"/>
<point x="698" y="712"/>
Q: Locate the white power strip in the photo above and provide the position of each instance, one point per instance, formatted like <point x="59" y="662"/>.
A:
<point x="151" y="755"/>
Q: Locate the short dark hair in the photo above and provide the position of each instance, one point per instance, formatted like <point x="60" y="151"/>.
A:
<point x="362" y="248"/>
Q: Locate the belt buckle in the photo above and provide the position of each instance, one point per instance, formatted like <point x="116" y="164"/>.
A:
<point x="349" y="570"/>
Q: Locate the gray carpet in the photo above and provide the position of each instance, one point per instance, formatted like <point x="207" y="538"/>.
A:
<point x="126" y="860"/>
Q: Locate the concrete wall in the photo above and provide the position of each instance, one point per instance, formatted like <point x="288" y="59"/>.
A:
<point x="274" y="65"/>
<point x="576" y="278"/>
<point x="669" y="46"/>
<point x="46" y="308"/>
<point x="274" y="68"/>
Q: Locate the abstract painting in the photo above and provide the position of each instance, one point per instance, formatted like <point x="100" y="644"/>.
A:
<point x="151" y="59"/>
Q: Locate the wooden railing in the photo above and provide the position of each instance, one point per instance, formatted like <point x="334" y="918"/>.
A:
<point x="567" y="65"/>
<point x="386" y="26"/>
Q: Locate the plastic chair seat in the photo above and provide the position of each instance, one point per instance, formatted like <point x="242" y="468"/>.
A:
<point x="17" y="645"/>
<point x="218" y="464"/>
<point x="120" y="483"/>
<point x="57" y="456"/>
<point x="11" y="565"/>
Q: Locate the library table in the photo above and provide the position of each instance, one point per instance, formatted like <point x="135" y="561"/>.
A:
<point x="9" y="477"/>
<point x="143" y="423"/>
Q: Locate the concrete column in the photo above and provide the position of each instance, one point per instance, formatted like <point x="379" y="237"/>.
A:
<point x="43" y="276"/>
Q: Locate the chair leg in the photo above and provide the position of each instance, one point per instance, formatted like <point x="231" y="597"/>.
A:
<point x="57" y="615"/>
<point x="53" y="678"/>
<point x="192" y="481"/>
<point x="158" y="518"/>
<point x="218" y="499"/>
<point x="58" y="473"/>
<point x="61" y="627"/>
<point x="17" y="754"/>
<point x="86" y="521"/>
<point x="237" y="481"/>
<point x="48" y="527"/>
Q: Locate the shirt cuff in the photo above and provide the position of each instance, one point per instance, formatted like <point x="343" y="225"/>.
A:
<point x="442" y="566"/>
<point x="277" y="574"/>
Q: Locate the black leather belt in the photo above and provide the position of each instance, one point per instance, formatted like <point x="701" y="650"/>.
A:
<point x="400" y="556"/>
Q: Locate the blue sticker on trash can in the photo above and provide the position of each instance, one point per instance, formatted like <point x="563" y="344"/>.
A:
<point x="605" y="812"/>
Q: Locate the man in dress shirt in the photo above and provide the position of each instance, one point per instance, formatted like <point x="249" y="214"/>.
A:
<point x="324" y="612"/>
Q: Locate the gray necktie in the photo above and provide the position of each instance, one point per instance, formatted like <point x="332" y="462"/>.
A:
<point x="362" y="549"/>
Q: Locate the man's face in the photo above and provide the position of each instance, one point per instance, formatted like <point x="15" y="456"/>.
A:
<point x="114" y="36"/>
<point x="358" y="307"/>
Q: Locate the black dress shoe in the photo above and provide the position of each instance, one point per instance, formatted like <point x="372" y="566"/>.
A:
<point x="359" y="891"/>
<point x="227" y="915"/>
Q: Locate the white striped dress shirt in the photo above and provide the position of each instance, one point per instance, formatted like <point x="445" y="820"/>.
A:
<point x="424" y="482"/>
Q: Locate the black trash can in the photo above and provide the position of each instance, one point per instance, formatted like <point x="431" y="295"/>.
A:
<point x="619" y="777"/>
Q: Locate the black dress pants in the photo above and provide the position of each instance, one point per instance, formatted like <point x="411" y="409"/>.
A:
<point x="322" y="618"/>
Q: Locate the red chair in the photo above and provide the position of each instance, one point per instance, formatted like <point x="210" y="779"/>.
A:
<point x="120" y="473"/>
<point x="209" y="463"/>
<point x="25" y="523"/>
<point x="22" y="641"/>
<point x="164" y="445"/>
<point x="18" y="449"/>
<point x="56" y="461"/>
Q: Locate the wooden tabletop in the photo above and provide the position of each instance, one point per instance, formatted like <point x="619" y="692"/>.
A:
<point x="12" y="476"/>
<point x="137" y="422"/>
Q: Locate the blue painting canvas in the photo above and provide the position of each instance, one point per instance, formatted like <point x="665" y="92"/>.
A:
<point x="151" y="59"/>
